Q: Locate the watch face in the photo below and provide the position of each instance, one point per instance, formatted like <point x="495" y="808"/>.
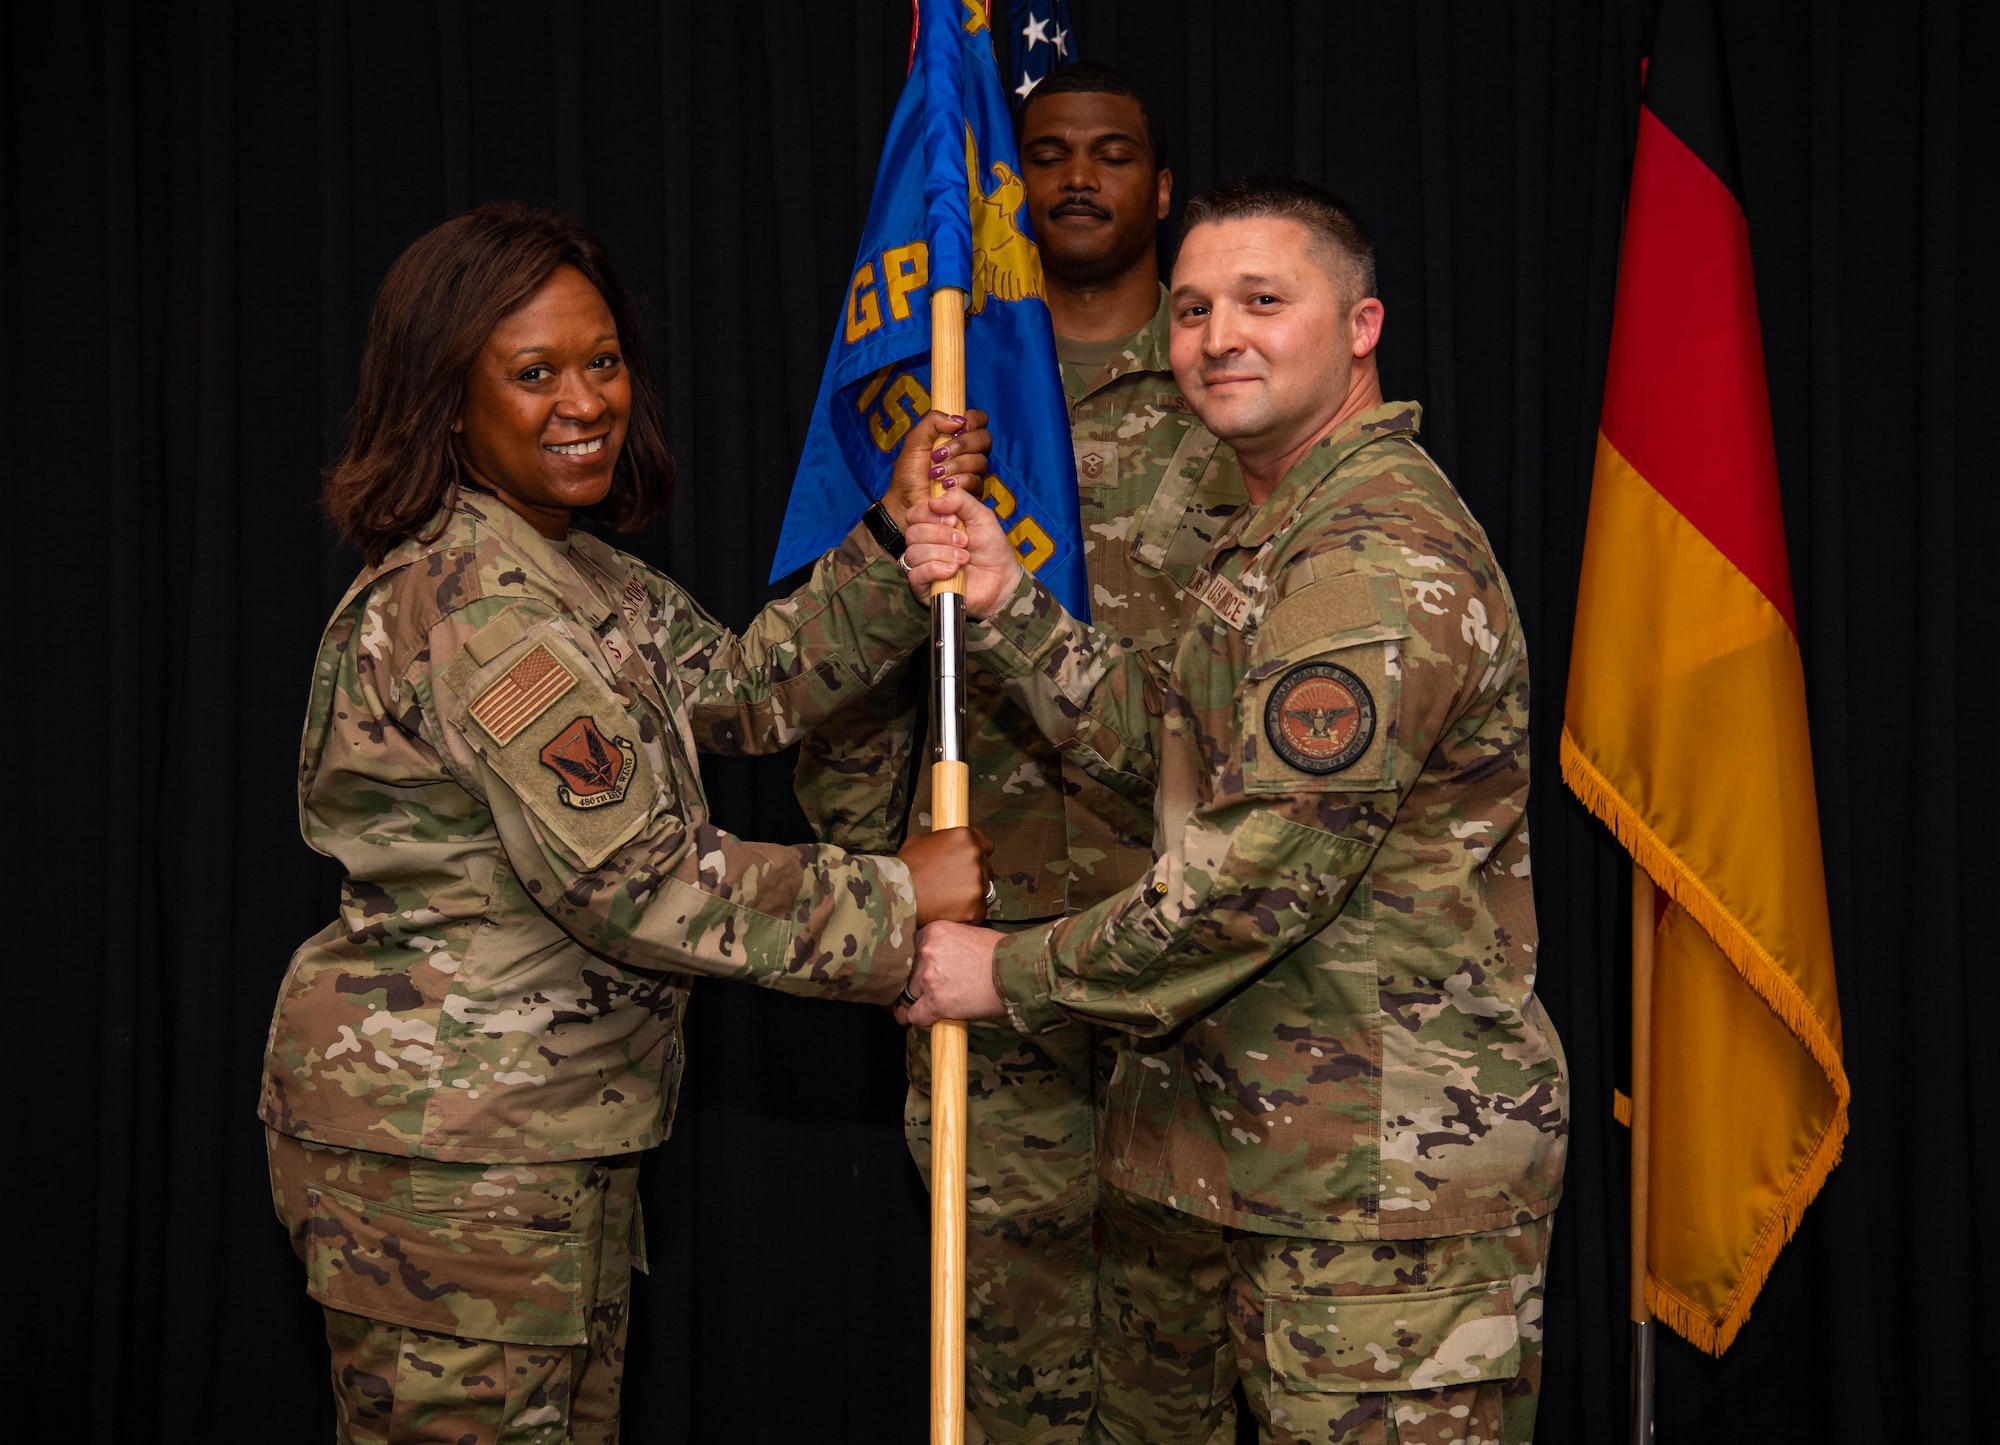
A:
<point x="1320" y="718"/>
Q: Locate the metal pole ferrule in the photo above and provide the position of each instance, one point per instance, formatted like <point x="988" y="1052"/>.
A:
<point x="948" y="675"/>
<point x="1644" y="1341"/>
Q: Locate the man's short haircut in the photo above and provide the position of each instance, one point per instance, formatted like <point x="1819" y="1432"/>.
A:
<point x="1327" y="218"/>
<point x="1087" y="77"/>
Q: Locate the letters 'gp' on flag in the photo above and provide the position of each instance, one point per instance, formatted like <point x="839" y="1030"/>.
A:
<point x="1685" y="723"/>
<point x="950" y="209"/>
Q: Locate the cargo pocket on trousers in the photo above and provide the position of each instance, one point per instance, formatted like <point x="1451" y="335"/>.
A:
<point x="1368" y="1344"/>
<point x="443" y="1276"/>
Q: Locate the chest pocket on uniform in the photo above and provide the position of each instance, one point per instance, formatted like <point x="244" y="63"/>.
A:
<point x="547" y="722"/>
<point x="1322" y="689"/>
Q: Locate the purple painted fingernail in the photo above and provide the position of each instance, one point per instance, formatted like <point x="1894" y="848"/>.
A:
<point x="940" y="454"/>
<point x="948" y="481"/>
<point x="960" y="420"/>
<point x="936" y="472"/>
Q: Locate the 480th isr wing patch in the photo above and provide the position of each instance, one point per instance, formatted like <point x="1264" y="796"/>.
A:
<point x="594" y="770"/>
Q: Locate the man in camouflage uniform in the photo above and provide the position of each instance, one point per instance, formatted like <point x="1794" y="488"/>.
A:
<point x="1337" y="1134"/>
<point x="1154" y="490"/>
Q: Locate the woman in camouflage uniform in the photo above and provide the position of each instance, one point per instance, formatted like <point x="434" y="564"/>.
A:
<point x="500" y="751"/>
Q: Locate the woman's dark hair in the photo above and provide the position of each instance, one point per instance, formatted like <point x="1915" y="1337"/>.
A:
<point x="437" y="306"/>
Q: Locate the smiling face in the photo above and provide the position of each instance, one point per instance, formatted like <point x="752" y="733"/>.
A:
<point x="546" y="404"/>
<point x="1266" y="350"/>
<point x="1095" y="192"/>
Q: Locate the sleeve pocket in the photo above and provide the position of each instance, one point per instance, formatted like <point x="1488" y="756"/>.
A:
<point x="1368" y="1344"/>
<point x="559" y="738"/>
<point x="443" y="1275"/>
<point x="1322" y="688"/>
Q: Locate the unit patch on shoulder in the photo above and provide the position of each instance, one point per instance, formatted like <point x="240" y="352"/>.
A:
<point x="524" y="692"/>
<point x="1320" y="717"/>
<point x="595" y="770"/>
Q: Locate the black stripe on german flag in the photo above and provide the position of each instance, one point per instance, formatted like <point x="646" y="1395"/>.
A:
<point x="1687" y="87"/>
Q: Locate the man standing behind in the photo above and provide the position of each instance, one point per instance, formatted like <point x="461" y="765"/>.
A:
<point x="1155" y="491"/>
<point x="1340" y="1085"/>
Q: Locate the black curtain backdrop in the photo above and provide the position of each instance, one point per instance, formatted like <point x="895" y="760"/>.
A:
<point x="199" y="201"/>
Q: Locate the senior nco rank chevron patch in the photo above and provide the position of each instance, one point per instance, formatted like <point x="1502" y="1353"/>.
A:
<point x="595" y="770"/>
<point x="524" y="692"/>
<point x="1320" y="718"/>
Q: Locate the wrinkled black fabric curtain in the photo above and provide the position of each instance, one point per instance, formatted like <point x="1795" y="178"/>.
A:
<point x="199" y="200"/>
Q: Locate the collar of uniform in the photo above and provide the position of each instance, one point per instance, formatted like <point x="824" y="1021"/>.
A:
<point x="607" y="560"/>
<point x="1394" y="418"/>
<point x="544" y="555"/>
<point x="1144" y="350"/>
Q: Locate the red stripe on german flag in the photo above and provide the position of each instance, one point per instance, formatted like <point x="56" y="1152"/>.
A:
<point x="1685" y="725"/>
<point x="1684" y="399"/>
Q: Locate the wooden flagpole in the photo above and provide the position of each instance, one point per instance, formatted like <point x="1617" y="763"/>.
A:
<point x="1645" y="926"/>
<point x="951" y="807"/>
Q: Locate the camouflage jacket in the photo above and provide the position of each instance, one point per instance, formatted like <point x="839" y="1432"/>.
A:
<point x="1155" y="489"/>
<point x="500" y="751"/>
<point x="1330" y="964"/>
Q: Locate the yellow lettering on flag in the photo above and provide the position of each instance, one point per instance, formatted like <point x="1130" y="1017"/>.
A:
<point x="1031" y="542"/>
<point x="1028" y="536"/>
<point x="864" y="313"/>
<point x="905" y="269"/>
<point x="889" y="422"/>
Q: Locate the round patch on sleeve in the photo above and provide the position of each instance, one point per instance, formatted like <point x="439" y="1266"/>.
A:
<point x="1320" y="717"/>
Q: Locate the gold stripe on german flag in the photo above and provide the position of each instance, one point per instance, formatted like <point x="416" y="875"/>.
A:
<point x="526" y="691"/>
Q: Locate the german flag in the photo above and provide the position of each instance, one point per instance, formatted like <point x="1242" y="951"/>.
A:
<point x="1685" y="724"/>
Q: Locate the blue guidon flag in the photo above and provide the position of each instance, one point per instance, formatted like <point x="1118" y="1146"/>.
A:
<point x="950" y="209"/>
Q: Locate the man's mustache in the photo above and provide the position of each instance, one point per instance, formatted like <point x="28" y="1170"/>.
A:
<point x="1079" y="206"/>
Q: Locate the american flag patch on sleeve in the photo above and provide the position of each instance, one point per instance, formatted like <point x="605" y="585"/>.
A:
<point x="526" y="691"/>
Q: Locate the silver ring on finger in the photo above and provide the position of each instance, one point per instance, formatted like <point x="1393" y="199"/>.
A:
<point x="992" y="893"/>
<point x="906" y="998"/>
<point x="904" y="563"/>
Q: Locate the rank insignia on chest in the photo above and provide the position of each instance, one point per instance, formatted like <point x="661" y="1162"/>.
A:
<point x="524" y="692"/>
<point x="1320" y="717"/>
<point x="1096" y="463"/>
<point x="595" y="770"/>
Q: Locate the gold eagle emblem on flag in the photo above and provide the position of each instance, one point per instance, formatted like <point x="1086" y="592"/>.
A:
<point x="1005" y="263"/>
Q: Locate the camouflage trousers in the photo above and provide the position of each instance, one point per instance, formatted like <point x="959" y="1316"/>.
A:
<point x="1031" y="1238"/>
<point x="466" y="1304"/>
<point x="1337" y="1342"/>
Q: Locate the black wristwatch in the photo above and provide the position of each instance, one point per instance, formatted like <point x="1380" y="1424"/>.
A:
<point x="882" y="527"/>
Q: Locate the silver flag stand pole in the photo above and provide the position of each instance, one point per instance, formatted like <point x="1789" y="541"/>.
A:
<point x="1644" y="1327"/>
<point x="1642" y="1381"/>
